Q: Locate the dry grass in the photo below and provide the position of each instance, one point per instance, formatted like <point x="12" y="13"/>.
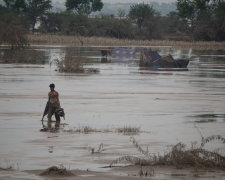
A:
<point x="179" y="156"/>
<point x="103" y="41"/>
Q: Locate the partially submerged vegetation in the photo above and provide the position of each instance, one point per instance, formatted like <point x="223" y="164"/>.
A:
<point x="57" y="171"/>
<point x="84" y="129"/>
<point x="126" y="130"/>
<point x="73" y="63"/>
<point x="179" y="156"/>
<point x="98" y="150"/>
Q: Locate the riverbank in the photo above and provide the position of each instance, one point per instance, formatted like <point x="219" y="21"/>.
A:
<point x="42" y="39"/>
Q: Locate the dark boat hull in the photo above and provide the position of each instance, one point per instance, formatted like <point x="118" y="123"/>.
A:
<point x="154" y="60"/>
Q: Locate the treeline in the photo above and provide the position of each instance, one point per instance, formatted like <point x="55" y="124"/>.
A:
<point x="193" y="20"/>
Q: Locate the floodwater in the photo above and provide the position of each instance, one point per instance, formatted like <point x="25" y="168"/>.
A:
<point x="168" y="107"/>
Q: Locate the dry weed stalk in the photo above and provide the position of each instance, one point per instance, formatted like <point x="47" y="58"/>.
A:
<point x="146" y="173"/>
<point x="99" y="150"/>
<point x="212" y="138"/>
<point x="179" y="156"/>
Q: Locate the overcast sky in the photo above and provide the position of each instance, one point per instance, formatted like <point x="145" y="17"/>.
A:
<point x="126" y="1"/>
<point x="135" y="1"/>
<point x="121" y="1"/>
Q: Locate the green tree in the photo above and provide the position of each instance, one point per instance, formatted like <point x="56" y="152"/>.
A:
<point x="3" y="9"/>
<point x="218" y="21"/>
<point x="51" y="23"/>
<point x="9" y="3"/>
<point x="11" y="31"/>
<point x="121" y="13"/>
<point x="19" y="6"/>
<point x="15" y="5"/>
<point x="141" y="13"/>
<point x="206" y="18"/>
<point x="84" y="6"/>
<point x="186" y="10"/>
<point x="35" y="9"/>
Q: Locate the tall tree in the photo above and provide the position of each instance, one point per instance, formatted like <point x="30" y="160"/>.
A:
<point x="19" y="6"/>
<point x="15" y="5"/>
<point x="186" y="10"/>
<point x="12" y="31"/>
<point x="206" y="17"/>
<point x="121" y="13"/>
<point x="141" y="13"/>
<point x="35" y="9"/>
<point x="9" y="3"/>
<point x="84" y="6"/>
<point x="219" y="21"/>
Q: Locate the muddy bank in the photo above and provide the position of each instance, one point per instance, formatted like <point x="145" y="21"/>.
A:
<point x="124" y="173"/>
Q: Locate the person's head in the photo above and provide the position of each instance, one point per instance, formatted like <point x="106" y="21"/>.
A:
<point x="52" y="86"/>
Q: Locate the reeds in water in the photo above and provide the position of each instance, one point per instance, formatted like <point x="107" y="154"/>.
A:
<point x="104" y="41"/>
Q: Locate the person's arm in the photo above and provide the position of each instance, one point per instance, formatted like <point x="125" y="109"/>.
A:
<point x="57" y="97"/>
<point x="48" y="96"/>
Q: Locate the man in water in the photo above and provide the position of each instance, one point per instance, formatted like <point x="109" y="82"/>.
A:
<point x="53" y="105"/>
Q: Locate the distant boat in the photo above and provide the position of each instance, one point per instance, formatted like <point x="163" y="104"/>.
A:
<point x="152" y="59"/>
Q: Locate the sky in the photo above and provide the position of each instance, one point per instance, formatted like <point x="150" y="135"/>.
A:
<point x="135" y="1"/>
<point x="126" y="1"/>
<point x="122" y="1"/>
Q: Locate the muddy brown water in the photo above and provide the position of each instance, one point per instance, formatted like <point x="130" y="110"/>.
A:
<point x="168" y="107"/>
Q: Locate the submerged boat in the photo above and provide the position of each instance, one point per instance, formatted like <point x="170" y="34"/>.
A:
<point x="152" y="59"/>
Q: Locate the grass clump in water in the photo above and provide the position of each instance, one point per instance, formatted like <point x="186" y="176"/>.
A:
<point x="87" y="129"/>
<point x="57" y="171"/>
<point x="73" y="63"/>
<point x="126" y="130"/>
<point x="84" y="129"/>
<point x="179" y="156"/>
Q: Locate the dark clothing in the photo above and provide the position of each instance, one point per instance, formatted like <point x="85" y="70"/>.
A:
<point x="53" y="105"/>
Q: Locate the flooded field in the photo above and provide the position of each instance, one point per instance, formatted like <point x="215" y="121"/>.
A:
<point x="166" y="106"/>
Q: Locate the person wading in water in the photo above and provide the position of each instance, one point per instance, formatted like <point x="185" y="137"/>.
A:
<point x="53" y="105"/>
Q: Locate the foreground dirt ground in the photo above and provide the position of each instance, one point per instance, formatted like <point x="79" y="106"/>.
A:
<point x="122" y="173"/>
